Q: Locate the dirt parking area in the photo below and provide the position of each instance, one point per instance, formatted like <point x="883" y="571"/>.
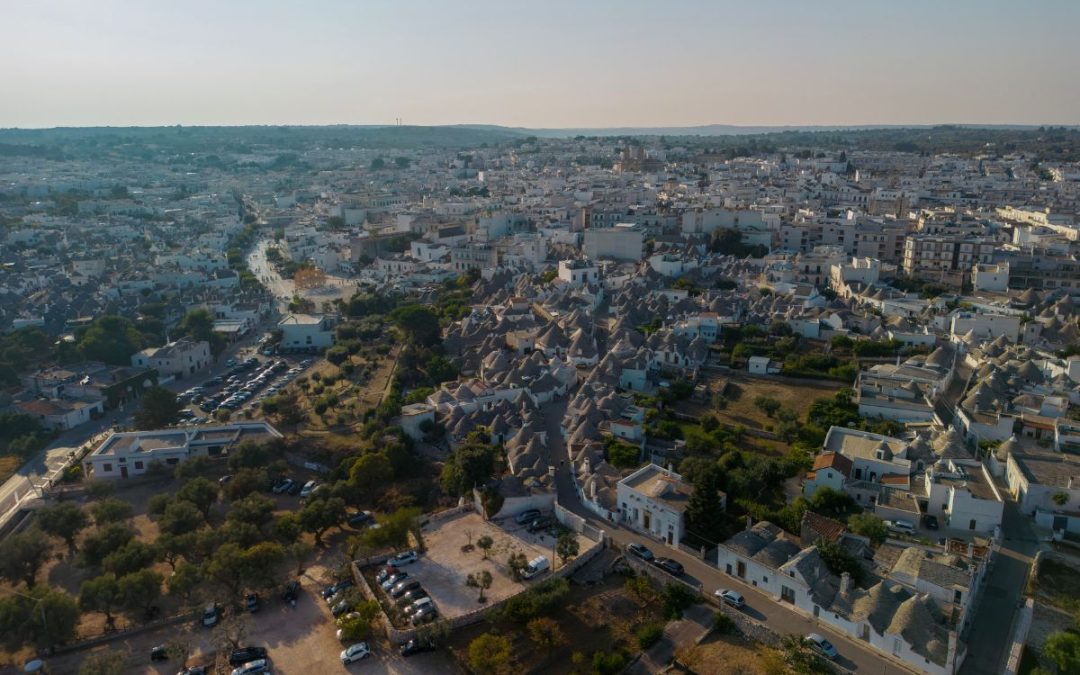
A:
<point x="444" y="568"/>
<point x="300" y="640"/>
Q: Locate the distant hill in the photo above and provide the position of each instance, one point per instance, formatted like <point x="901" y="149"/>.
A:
<point x="719" y="129"/>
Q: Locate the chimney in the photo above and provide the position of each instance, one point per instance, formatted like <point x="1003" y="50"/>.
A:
<point x="749" y="522"/>
<point x="588" y="465"/>
<point x="670" y="468"/>
<point x="592" y="490"/>
<point x="845" y="585"/>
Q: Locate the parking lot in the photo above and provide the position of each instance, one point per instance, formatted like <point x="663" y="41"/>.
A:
<point x="244" y="385"/>
<point x="300" y="640"/>
<point x="444" y="567"/>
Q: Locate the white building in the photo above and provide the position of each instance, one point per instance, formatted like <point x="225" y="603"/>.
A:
<point x="131" y="453"/>
<point x="578" y="272"/>
<point x="652" y="500"/>
<point x="625" y="241"/>
<point x="990" y="277"/>
<point x="180" y="358"/>
<point x="306" y="332"/>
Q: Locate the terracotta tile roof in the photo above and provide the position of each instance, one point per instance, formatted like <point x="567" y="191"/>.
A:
<point x="833" y="460"/>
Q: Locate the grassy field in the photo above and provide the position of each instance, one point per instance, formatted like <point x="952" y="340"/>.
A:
<point x="354" y="398"/>
<point x="797" y="397"/>
<point x="9" y="464"/>
<point x="595" y="618"/>
<point x="1059" y="585"/>
<point x="731" y="655"/>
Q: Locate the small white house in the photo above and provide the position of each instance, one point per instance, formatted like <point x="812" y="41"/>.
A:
<point x="763" y="365"/>
<point x="652" y="500"/>
<point x="179" y="358"/>
<point x="306" y="332"/>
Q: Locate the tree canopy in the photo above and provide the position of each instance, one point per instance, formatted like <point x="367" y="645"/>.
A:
<point x="159" y="408"/>
<point x="112" y="339"/>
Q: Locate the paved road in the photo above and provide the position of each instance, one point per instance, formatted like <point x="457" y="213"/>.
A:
<point x="990" y="632"/>
<point x="854" y="655"/>
<point x="284" y="289"/>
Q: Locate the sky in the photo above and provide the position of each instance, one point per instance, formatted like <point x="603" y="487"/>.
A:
<point x="545" y="63"/>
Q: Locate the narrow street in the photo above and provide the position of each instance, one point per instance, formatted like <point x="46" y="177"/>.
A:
<point x="989" y="635"/>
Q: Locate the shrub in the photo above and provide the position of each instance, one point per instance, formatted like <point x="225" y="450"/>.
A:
<point x="650" y="634"/>
<point x="723" y="624"/>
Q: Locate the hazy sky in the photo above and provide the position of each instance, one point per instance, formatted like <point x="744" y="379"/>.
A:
<point x="545" y="63"/>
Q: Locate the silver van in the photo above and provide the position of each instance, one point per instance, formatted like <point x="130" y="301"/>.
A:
<point x="900" y="526"/>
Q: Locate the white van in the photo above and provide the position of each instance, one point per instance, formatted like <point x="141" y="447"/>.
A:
<point x="536" y="566"/>
<point x="900" y="526"/>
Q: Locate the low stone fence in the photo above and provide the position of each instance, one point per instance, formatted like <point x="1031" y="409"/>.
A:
<point x="446" y="514"/>
<point x="657" y="574"/>
<point x="126" y="633"/>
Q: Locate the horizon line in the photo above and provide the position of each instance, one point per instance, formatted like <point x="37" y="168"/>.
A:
<point x="782" y="127"/>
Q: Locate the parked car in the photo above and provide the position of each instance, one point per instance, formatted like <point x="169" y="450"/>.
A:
<point x="384" y="574"/>
<point x="308" y="488"/>
<point x="418" y="605"/>
<point x="211" y="615"/>
<point x="195" y="670"/>
<point x="225" y="479"/>
<point x="541" y="523"/>
<point x="404" y="587"/>
<point x="283" y="487"/>
<point x="900" y="526"/>
<point x="527" y="516"/>
<point x="822" y="646"/>
<point x="406" y="558"/>
<point x="415" y="646"/>
<point x="424" y="615"/>
<point x="239" y="657"/>
<point x="733" y="598"/>
<point x="670" y="566"/>
<point x="340" y="608"/>
<point x="358" y="651"/>
<point x="640" y="550"/>
<point x="159" y="653"/>
<point x="252" y="667"/>
<point x="334" y="588"/>
<point x="360" y="518"/>
<point x="930" y="522"/>
<point x="410" y="597"/>
<point x="251" y="602"/>
<point x="292" y="591"/>
<point x="393" y="579"/>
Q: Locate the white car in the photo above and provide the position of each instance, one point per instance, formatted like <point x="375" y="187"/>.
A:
<point x="732" y="598"/>
<point x="401" y="559"/>
<point x="358" y="651"/>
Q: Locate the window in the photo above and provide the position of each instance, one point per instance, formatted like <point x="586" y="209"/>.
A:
<point x="172" y="461"/>
<point x="106" y="468"/>
<point x="971" y="524"/>
<point x="138" y="465"/>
